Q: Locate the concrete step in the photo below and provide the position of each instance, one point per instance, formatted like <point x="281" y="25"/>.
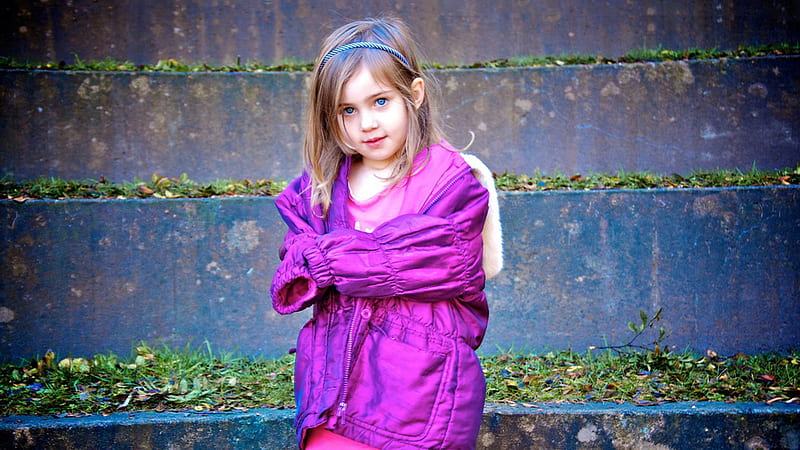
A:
<point x="676" y="426"/>
<point x="664" y="117"/>
<point x="722" y="263"/>
<point x="464" y="31"/>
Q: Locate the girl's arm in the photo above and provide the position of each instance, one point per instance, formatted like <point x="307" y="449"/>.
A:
<point x="430" y="257"/>
<point x="293" y="289"/>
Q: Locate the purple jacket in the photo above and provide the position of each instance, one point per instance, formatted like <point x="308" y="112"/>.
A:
<point x="388" y="357"/>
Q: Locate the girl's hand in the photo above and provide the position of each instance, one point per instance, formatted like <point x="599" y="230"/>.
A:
<point x="293" y="288"/>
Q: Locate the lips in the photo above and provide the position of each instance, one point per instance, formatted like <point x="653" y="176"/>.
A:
<point x="374" y="141"/>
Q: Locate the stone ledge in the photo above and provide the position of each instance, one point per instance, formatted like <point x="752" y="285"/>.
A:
<point x="673" y="425"/>
<point x="671" y="117"/>
<point x="91" y="276"/>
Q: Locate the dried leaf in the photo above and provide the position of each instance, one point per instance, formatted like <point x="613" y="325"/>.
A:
<point x="647" y="403"/>
<point x="127" y="401"/>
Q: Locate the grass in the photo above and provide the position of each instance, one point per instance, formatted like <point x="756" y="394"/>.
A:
<point x="153" y="379"/>
<point x="166" y="379"/>
<point x="157" y="187"/>
<point x="638" y="55"/>
<point x="658" y="54"/>
<point x="164" y="65"/>
<point x="648" y="180"/>
<point x="183" y="187"/>
<point x="642" y="378"/>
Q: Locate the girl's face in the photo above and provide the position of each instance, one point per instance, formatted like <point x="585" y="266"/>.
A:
<point x="374" y="119"/>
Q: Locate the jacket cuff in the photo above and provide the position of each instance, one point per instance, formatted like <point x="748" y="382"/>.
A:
<point x="293" y="290"/>
<point x="317" y="266"/>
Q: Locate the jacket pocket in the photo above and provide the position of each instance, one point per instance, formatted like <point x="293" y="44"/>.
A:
<point x="398" y="380"/>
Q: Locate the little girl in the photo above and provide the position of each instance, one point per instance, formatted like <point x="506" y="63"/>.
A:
<point x="390" y="243"/>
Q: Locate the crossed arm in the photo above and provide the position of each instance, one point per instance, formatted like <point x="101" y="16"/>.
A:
<point x="422" y="257"/>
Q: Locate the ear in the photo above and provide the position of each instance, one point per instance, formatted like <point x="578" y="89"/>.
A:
<point x="418" y="91"/>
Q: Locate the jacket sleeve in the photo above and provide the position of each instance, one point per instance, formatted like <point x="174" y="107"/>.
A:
<point x="293" y="289"/>
<point x="424" y="257"/>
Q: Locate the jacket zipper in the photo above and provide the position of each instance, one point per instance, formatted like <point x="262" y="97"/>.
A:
<point x="348" y="361"/>
<point x="355" y="322"/>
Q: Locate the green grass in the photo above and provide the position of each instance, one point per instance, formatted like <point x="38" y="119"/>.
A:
<point x="155" y="379"/>
<point x="157" y="187"/>
<point x="183" y="187"/>
<point x="647" y="180"/>
<point x="642" y="377"/>
<point x="289" y="65"/>
<point x="164" y="65"/>
<point x="162" y="379"/>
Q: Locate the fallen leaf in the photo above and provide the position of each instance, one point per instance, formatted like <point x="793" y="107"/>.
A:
<point x="647" y="403"/>
<point x="127" y="401"/>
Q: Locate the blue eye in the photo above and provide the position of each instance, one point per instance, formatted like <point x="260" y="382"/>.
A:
<point x="348" y="110"/>
<point x="381" y="101"/>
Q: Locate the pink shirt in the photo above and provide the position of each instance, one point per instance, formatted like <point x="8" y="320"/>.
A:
<point x="366" y="215"/>
<point x="394" y="201"/>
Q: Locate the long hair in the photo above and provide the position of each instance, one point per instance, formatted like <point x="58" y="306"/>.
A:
<point x="324" y="147"/>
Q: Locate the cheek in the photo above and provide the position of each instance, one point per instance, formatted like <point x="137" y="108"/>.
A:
<point x="345" y="126"/>
<point x="402" y="118"/>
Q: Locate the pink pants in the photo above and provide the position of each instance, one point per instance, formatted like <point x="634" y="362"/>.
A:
<point x="320" y="438"/>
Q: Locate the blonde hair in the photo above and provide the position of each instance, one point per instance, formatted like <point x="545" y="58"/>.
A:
<point x="324" y="148"/>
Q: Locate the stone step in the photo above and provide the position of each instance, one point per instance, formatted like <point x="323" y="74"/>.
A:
<point x="464" y="31"/>
<point x="703" y="425"/>
<point x="663" y="117"/>
<point x="722" y="263"/>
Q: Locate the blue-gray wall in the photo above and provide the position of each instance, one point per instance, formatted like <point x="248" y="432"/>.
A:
<point x="464" y="31"/>
<point x="86" y="276"/>
<point x="665" y="117"/>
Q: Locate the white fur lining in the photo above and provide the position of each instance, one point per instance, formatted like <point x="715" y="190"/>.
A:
<point x="492" y="229"/>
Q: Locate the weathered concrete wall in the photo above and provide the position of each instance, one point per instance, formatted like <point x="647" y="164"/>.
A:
<point x="667" y="117"/>
<point x="581" y="265"/>
<point x="126" y="125"/>
<point x="596" y="426"/>
<point x="91" y="276"/>
<point x="448" y="30"/>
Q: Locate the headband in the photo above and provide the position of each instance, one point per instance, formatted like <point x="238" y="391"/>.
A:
<point x="361" y="44"/>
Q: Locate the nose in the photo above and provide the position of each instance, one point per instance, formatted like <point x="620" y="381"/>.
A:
<point x="368" y="121"/>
